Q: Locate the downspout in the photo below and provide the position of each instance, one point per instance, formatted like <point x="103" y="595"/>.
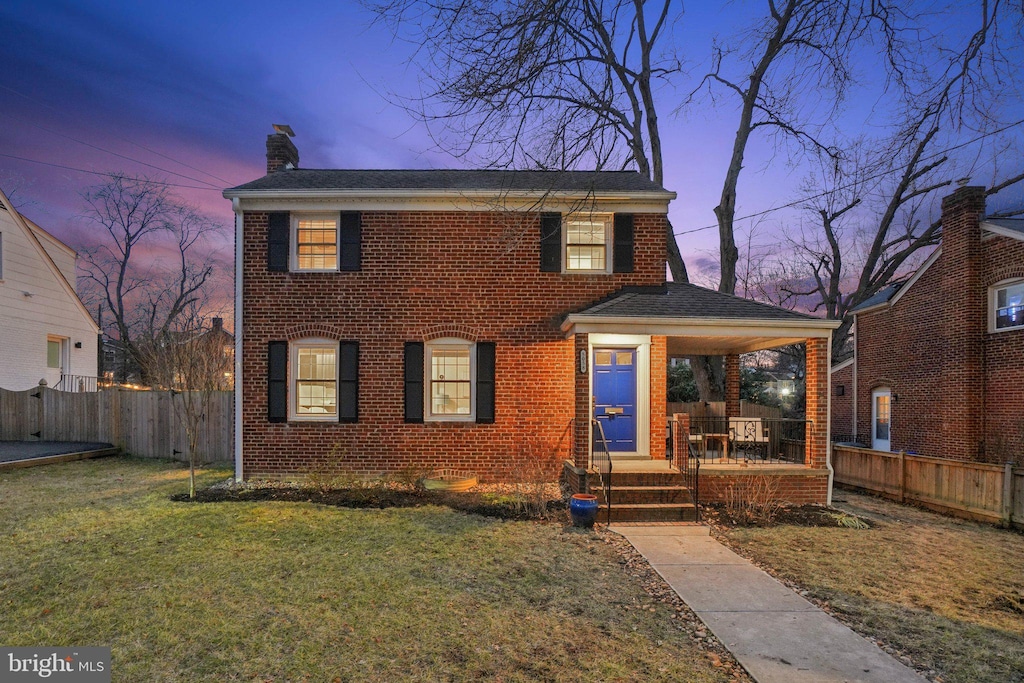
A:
<point x="853" y="412"/>
<point x="828" y="423"/>
<point x="235" y="206"/>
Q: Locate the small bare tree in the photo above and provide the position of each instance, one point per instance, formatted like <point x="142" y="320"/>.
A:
<point x="191" y="362"/>
<point x="151" y="260"/>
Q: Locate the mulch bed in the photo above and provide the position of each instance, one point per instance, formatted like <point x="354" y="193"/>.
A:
<point x="793" y="515"/>
<point x="381" y="497"/>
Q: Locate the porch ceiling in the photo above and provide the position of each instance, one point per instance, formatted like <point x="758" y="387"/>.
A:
<point x="722" y="345"/>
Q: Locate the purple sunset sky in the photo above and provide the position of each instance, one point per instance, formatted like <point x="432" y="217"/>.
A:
<point x="193" y="87"/>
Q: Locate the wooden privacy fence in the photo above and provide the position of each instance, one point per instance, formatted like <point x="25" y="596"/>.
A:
<point x="992" y="493"/>
<point x="717" y="409"/>
<point x="143" y="423"/>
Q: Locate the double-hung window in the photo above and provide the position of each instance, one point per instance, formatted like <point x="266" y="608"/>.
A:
<point x="315" y="373"/>
<point x="450" y="391"/>
<point x="587" y="241"/>
<point x="1006" y="309"/>
<point x="316" y="242"/>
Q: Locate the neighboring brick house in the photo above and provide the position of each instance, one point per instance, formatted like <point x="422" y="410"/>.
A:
<point x="938" y="365"/>
<point x="474" y="320"/>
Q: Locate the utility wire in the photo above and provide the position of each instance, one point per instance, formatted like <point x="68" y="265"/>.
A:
<point x="107" y="175"/>
<point x="843" y="187"/>
<point x="101" y="149"/>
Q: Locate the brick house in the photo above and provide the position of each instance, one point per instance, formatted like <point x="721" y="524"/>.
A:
<point x="474" y="320"/>
<point x="938" y="364"/>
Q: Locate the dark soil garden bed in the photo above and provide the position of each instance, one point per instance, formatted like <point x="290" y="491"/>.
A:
<point x="380" y="497"/>
<point x="792" y="515"/>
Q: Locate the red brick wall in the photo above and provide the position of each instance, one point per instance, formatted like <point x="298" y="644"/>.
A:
<point x="1003" y="259"/>
<point x="659" y="397"/>
<point x="842" y="406"/>
<point x="816" y="444"/>
<point x="960" y="388"/>
<point x="797" y="488"/>
<point x="425" y="275"/>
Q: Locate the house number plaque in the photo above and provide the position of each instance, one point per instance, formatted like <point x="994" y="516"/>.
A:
<point x="583" y="360"/>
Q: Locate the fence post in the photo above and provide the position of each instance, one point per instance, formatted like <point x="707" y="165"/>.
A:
<point x="903" y="477"/>
<point x="1007" y="511"/>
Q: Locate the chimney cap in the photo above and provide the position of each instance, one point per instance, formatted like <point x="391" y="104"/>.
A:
<point x="283" y="128"/>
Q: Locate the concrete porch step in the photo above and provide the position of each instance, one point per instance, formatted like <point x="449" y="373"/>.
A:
<point x="665" y="478"/>
<point x="649" y="512"/>
<point x="647" y="494"/>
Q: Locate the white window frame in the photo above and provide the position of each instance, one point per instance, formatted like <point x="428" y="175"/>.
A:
<point x="993" y="293"/>
<point x="294" y="247"/>
<point x="293" y="379"/>
<point x="63" y="353"/>
<point x="428" y="353"/>
<point x="608" y="220"/>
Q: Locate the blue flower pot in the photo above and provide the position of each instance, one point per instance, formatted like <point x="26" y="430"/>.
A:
<point x="583" y="510"/>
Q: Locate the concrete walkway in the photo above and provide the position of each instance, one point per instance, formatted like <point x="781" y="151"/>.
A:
<point x="778" y="636"/>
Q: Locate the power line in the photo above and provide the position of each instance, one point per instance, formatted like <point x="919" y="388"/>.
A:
<point x="107" y="175"/>
<point x="123" y="139"/>
<point x="843" y="187"/>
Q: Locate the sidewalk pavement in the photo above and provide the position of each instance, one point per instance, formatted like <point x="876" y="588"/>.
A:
<point x="777" y="635"/>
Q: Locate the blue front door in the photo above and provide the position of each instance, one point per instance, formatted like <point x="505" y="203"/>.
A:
<point x="615" y="397"/>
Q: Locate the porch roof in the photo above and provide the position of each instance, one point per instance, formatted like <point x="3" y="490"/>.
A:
<point x="698" y="320"/>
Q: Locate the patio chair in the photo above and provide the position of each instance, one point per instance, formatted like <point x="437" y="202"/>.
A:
<point x="748" y="437"/>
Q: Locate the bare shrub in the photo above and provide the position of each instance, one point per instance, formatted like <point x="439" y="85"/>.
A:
<point x="532" y="480"/>
<point x="753" y="500"/>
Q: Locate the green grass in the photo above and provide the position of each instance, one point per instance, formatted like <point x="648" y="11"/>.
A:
<point x="947" y="592"/>
<point x="95" y="553"/>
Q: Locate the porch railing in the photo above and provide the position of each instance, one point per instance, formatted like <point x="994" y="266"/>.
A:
<point x="601" y="460"/>
<point x="76" y="383"/>
<point x="753" y="440"/>
<point x="684" y="457"/>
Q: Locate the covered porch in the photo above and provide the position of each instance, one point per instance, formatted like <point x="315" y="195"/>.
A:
<point x="622" y="422"/>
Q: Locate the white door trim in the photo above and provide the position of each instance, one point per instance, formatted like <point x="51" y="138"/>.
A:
<point x="642" y="344"/>
<point x="876" y="443"/>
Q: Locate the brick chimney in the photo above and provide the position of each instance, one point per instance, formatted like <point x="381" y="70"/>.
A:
<point x="218" y="325"/>
<point x="964" y="324"/>
<point x="280" y="148"/>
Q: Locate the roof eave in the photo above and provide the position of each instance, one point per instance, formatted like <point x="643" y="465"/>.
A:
<point x="703" y="326"/>
<point x="380" y="193"/>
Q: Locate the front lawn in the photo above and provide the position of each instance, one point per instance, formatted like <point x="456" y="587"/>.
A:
<point x="947" y="593"/>
<point x="95" y="553"/>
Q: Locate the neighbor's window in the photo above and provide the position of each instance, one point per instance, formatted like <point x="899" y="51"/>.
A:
<point x="53" y="353"/>
<point x="450" y="371"/>
<point x="1007" y="306"/>
<point x="586" y="243"/>
<point x="316" y="242"/>
<point x="315" y="378"/>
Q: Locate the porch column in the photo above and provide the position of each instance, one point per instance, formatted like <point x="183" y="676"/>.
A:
<point x="581" y="426"/>
<point x="816" y="444"/>
<point x="659" y="396"/>
<point x="732" y="385"/>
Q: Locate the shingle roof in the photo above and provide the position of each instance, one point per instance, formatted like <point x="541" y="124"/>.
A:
<point x="682" y="300"/>
<point x="453" y="180"/>
<point x="880" y="297"/>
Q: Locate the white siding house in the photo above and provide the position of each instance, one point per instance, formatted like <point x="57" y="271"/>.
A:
<point x="46" y="333"/>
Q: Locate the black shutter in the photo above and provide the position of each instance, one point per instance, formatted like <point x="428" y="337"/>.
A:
<point x="277" y="381"/>
<point x="551" y="242"/>
<point x="350" y="239"/>
<point x="278" y="240"/>
<point x="622" y="256"/>
<point x="348" y="382"/>
<point x="485" y="382"/>
<point x="414" y="381"/>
